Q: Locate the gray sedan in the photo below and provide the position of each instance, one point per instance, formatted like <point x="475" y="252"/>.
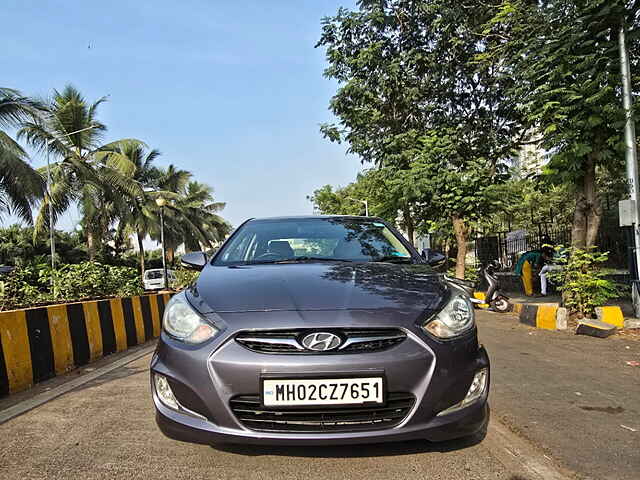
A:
<point x="318" y="330"/>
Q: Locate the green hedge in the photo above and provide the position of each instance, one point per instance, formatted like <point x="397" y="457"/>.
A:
<point x="31" y="285"/>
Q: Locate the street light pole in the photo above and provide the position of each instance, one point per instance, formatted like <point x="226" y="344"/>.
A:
<point x="631" y="157"/>
<point x="161" y="202"/>
<point x="52" y="242"/>
<point x="51" y="222"/>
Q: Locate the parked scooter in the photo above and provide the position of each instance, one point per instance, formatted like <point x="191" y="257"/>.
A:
<point x="497" y="301"/>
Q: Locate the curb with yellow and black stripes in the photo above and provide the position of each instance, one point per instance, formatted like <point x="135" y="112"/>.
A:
<point x="39" y="343"/>
<point x="554" y="317"/>
<point x="539" y="316"/>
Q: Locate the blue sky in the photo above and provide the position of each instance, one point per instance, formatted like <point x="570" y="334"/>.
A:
<point x="230" y="90"/>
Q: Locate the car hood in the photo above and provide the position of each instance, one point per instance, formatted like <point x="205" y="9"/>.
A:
<point x="317" y="286"/>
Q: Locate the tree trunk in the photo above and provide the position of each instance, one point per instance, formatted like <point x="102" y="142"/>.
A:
<point x="588" y="213"/>
<point x="170" y="256"/>
<point x="141" y="253"/>
<point x="461" y="232"/>
<point x="408" y="225"/>
<point x="594" y="215"/>
<point x="91" y="244"/>
<point x="579" y="227"/>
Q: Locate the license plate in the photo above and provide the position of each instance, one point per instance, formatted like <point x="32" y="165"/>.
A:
<point x="322" y="391"/>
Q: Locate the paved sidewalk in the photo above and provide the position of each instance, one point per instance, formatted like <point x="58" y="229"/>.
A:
<point x="574" y="396"/>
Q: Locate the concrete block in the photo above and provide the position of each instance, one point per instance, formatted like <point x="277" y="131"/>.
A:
<point x="528" y="314"/>
<point x="632" y="323"/>
<point x="611" y="315"/>
<point x="546" y="317"/>
<point x="595" y="328"/>
<point x="562" y="316"/>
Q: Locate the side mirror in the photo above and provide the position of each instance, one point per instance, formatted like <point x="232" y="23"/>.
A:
<point x="433" y="258"/>
<point x="194" y="260"/>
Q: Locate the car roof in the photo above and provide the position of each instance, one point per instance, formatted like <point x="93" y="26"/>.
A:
<point x="314" y="217"/>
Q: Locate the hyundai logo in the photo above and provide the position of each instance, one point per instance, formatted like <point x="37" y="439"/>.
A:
<point x="321" y="341"/>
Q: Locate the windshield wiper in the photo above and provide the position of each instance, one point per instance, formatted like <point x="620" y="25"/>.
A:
<point x="305" y="258"/>
<point x="392" y="259"/>
<point x="298" y="259"/>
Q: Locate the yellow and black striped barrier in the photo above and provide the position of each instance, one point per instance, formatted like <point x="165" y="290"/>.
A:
<point x="537" y="315"/>
<point x="40" y="343"/>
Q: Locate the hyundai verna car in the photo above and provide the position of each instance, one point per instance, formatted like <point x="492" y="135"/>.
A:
<point x="318" y="330"/>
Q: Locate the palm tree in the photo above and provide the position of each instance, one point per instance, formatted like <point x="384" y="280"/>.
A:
<point x="87" y="172"/>
<point x="137" y="213"/>
<point x="201" y="223"/>
<point x="20" y="185"/>
<point x="192" y="218"/>
<point x="174" y="180"/>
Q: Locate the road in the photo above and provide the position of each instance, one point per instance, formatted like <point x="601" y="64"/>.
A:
<point x="573" y="396"/>
<point x="104" y="428"/>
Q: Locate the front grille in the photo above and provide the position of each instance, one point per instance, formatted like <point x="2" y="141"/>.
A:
<point x="354" y="340"/>
<point x="248" y="410"/>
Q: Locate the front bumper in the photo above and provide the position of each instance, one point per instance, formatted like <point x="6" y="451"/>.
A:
<point x="462" y="423"/>
<point x="438" y="374"/>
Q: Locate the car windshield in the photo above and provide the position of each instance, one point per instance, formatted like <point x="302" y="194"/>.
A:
<point x="153" y="274"/>
<point x="316" y="239"/>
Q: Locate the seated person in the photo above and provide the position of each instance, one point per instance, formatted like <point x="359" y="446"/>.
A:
<point x="551" y="266"/>
<point x="281" y="249"/>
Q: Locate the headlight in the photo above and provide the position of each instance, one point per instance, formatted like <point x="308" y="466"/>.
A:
<point x="163" y="389"/>
<point x="454" y="319"/>
<point x="182" y="322"/>
<point x="476" y="390"/>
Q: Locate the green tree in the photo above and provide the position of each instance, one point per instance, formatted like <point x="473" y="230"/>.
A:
<point x="409" y="81"/>
<point x="373" y="185"/>
<point x="192" y="218"/>
<point x="84" y="170"/>
<point x="137" y="213"/>
<point x="563" y="56"/>
<point x="20" y="184"/>
<point x="19" y="246"/>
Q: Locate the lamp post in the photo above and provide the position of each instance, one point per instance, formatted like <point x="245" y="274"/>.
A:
<point x="631" y="157"/>
<point x="51" y="222"/>
<point x="161" y="202"/>
<point x="366" y="204"/>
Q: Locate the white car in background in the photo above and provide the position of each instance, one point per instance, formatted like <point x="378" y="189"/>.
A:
<point x="154" y="278"/>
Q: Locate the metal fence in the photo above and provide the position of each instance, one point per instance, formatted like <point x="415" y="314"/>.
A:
<point x="508" y="246"/>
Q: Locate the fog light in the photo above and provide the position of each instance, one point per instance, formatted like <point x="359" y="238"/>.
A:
<point x="476" y="390"/>
<point x="163" y="390"/>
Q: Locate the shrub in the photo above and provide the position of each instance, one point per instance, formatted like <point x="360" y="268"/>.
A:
<point x="471" y="273"/>
<point x="581" y="280"/>
<point x="91" y="279"/>
<point x="25" y="286"/>
<point x="31" y="284"/>
<point x="184" y="278"/>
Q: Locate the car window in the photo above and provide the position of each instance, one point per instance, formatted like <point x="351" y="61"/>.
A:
<point x="312" y="247"/>
<point x="153" y="274"/>
<point x="348" y="239"/>
<point x="239" y="250"/>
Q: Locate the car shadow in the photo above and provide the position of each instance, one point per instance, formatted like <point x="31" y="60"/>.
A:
<point x="354" y="451"/>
